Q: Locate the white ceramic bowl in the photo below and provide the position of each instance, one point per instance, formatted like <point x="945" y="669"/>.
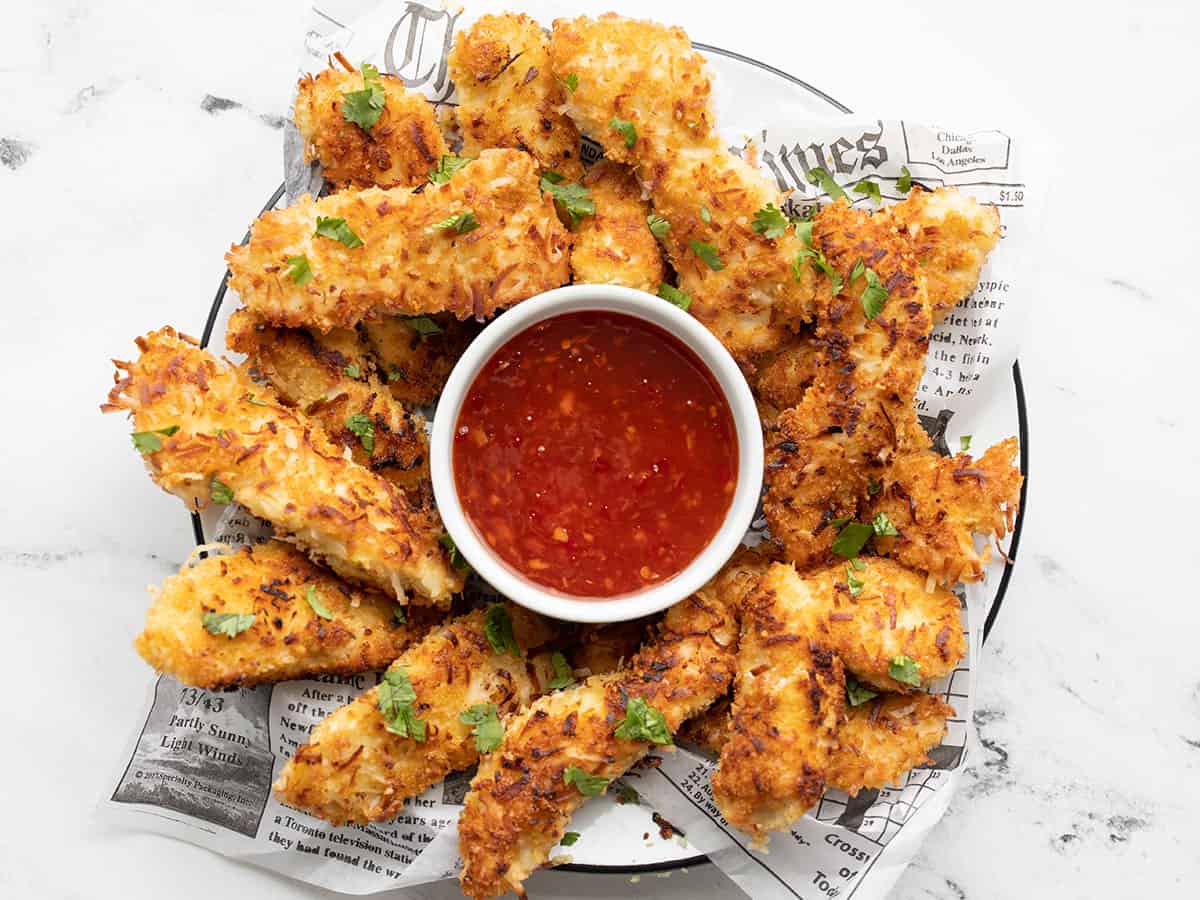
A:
<point x="507" y="580"/>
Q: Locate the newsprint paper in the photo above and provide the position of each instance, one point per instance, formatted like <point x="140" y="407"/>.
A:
<point x="201" y="764"/>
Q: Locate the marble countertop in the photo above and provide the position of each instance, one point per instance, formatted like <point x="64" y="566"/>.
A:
<point x="137" y="140"/>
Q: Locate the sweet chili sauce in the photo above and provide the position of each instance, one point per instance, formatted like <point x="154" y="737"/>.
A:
<point x="595" y="454"/>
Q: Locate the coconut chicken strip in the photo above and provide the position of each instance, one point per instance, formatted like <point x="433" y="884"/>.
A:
<point x="367" y="759"/>
<point x="328" y="378"/>
<point x="789" y="696"/>
<point x="210" y="434"/>
<point x="508" y="95"/>
<point x="940" y="504"/>
<point x="645" y="95"/>
<point x="951" y="235"/>
<point x="483" y="240"/>
<point x="266" y="614"/>
<point x="570" y="745"/>
<point x="415" y="355"/>
<point x="615" y="245"/>
<point x="358" y="145"/>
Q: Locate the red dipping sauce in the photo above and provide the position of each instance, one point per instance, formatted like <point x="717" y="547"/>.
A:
<point x="595" y="454"/>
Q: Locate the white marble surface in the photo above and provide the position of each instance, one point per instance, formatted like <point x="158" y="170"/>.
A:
<point x="122" y="181"/>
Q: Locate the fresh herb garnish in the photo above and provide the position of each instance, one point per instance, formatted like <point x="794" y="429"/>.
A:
<point x="964" y="443"/>
<point x="446" y="168"/>
<point x="904" y="182"/>
<point x="856" y="271"/>
<point x="571" y="82"/>
<point x="851" y="539"/>
<point x="150" y="441"/>
<point x="853" y="582"/>
<point x="625" y="127"/>
<point x="228" y="624"/>
<point x="883" y="526"/>
<point x="858" y="693"/>
<point x="869" y="188"/>
<point x="457" y="560"/>
<point x="338" y="230"/>
<point x="362" y="426"/>
<point x="804" y="231"/>
<point x="820" y="262"/>
<point x="315" y="602"/>
<point x="220" y="492"/>
<point x="628" y="795"/>
<point x="364" y="107"/>
<point x="354" y="370"/>
<point x="708" y="253"/>
<point x="771" y="223"/>
<point x="874" y="487"/>
<point x="658" y="226"/>
<point x="821" y="176"/>
<point x="250" y="398"/>
<point x="573" y="199"/>
<point x="423" y="325"/>
<point x="674" y="295"/>
<point x="569" y="839"/>
<point x="905" y="670"/>
<point x="299" y="270"/>
<point x="396" y="698"/>
<point x="563" y="676"/>
<point x="874" y="295"/>
<point x="394" y="374"/>
<point x="400" y="614"/>
<point x="459" y="223"/>
<point x="487" y="727"/>
<point x="587" y="784"/>
<point x="643" y="723"/>
<point x="705" y="215"/>
<point x="498" y="628"/>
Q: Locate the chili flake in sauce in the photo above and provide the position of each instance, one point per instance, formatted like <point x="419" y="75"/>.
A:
<point x="595" y="454"/>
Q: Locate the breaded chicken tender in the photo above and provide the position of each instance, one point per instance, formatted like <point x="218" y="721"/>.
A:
<point x="413" y="358"/>
<point x="289" y="638"/>
<point x="380" y="252"/>
<point x="355" y="769"/>
<point x="615" y="245"/>
<point x="645" y="95"/>
<point x="508" y="95"/>
<point x="886" y="737"/>
<point x="398" y="150"/>
<point x="782" y="379"/>
<point x="894" y="614"/>
<point x="951" y="234"/>
<point x="521" y="799"/>
<point x="223" y="438"/>
<point x="789" y="696"/>
<point x="328" y="378"/>
<point x="939" y="504"/>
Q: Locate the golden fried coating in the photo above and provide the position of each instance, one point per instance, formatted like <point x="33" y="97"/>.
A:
<point x="605" y="648"/>
<point x="884" y="738"/>
<point x="711" y="729"/>
<point x="508" y="96"/>
<point x="354" y="769"/>
<point x="329" y="378"/>
<point x="615" y="245"/>
<point x="235" y="442"/>
<point x="399" y="150"/>
<point x="788" y="699"/>
<point x="894" y="614"/>
<point x="951" y="235"/>
<point x="414" y="360"/>
<point x="939" y="504"/>
<point x="520" y="802"/>
<point x="289" y="638"/>
<point x="781" y="379"/>
<point x="645" y="95"/>
<point x="412" y="259"/>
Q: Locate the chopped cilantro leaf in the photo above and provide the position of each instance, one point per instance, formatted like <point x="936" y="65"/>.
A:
<point x="228" y="624"/>
<point x="625" y="127"/>
<point x="298" y="269"/>
<point x="905" y="670"/>
<point x="250" y="398"/>
<point x="338" y="230"/>
<point x="964" y="443"/>
<point x="394" y="374"/>
<point x="487" y="727"/>
<point x="858" y="693"/>
<point x="705" y="215"/>
<point x="563" y="676"/>
<point x="456" y="558"/>
<point x="354" y="370"/>
<point x="569" y="839"/>
<point x="497" y="626"/>
<point x="904" y="182"/>
<point x="674" y="295"/>
<point x="573" y="199"/>
<point x="820" y="262"/>
<point x="771" y="223"/>
<point x="869" y="188"/>
<point x="628" y="795"/>
<point x="874" y="487"/>
<point x="658" y="226"/>
<point x="571" y="82"/>
<point x="220" y="492"/>
<point x="423" y="325"/>
<point x="315" y="602"/>
<point x="400" y="614"/>
<point x="362" y="426"/>
<point x="446" y="168"/>
<point x="708" y="253"/>
<point x="587" y="784"/>
<point x="643" y="722"/>
<point x="364" y="107"/>
<point x="857" y="271"/>
<point x="396" y="697"/>
<point x="149" y="441"/>
<point x="459" y="223"/>
<point x="851" y="539"/>
<point x="883" y="526"/>
<point x="804" y="231"/>
<point x="874" y="295"/>
<point x="853" y="582"/>
<point x="821" y="176"/>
